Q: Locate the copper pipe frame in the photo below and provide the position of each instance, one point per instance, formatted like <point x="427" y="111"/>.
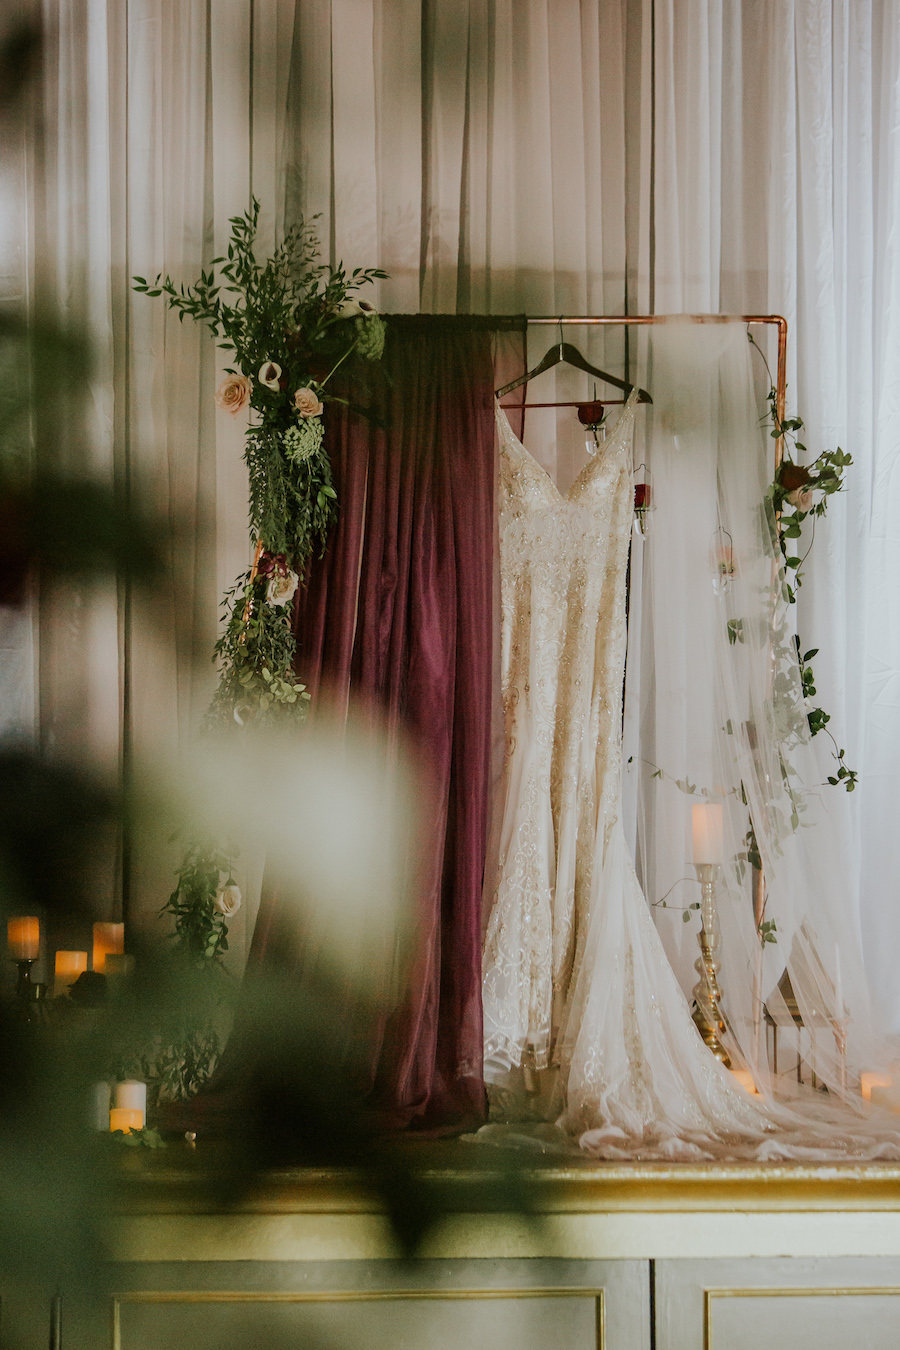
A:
<point x="588" y="320"/>
<point x="253" y="568"/>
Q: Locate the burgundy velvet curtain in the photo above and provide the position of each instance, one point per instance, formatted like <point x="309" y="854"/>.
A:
<point x="397" y="617"/>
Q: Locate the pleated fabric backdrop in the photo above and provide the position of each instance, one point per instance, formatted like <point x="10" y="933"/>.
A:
<point x="592" y="155"/>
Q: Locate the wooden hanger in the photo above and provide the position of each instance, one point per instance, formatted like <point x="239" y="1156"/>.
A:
<point x="565" y="352"/>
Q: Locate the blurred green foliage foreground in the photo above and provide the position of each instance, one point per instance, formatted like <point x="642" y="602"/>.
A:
<point x="62" y="820"/>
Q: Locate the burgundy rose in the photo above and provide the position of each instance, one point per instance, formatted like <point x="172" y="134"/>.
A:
<point x="268" y="563"/>
<point x="793" y="476"/>
<point x="642" y="496"/>
<point x="590" y="414"/>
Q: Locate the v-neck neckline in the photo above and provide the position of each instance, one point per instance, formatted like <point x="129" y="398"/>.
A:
<point x="591" y="464"/>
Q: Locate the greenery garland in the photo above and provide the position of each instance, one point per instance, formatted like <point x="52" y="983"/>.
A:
<point x="794" y="485"/>
<point x="293" y="321"/>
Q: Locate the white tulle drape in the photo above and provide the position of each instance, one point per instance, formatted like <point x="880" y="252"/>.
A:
<point x="777" y="189"/>
<point x="723" y="719"/>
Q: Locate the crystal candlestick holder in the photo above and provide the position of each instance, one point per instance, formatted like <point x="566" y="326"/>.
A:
<point x="707" y="998"/>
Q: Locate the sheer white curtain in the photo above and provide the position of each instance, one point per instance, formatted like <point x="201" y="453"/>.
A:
<point x="476" y="150"/>
<point x="492" y="156"/>
<point x="777" y="189"/>
<point x="157" y="122"/>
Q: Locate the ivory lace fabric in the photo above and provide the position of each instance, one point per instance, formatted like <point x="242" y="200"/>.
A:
<point x="562" y="574"/>
<point x="575" y="976"/>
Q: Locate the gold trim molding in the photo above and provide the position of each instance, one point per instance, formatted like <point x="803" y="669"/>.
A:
<point x="157" y="1187"/>
<point x="856" y="1291"/>
<point x="354" y="1296"/>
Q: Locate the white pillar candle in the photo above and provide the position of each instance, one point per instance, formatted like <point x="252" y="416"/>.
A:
<point x="126" y="1121"/>
<point x="68" y="967"/>
<point x="131" y="1096"/>
<point x="869" y="1081"/>
<point x="885" y="1096"/>
<point x="24" y="938"/>
<point x="707" y="826"/>
<point x="108" y="937"/>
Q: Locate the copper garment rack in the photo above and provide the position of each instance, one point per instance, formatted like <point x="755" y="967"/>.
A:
<point x="627" y="320"/>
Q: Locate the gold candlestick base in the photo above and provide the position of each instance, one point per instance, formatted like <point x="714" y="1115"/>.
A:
<point x="707" y="1014"/>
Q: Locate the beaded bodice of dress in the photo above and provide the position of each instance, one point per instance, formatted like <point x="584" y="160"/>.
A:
<point x="563" y="561"/>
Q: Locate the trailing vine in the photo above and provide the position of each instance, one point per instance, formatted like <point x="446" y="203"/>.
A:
<point x="794" y="486"/>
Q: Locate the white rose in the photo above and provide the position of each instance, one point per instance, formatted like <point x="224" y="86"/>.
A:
<point x="352" y="308"/>
<point x="270" y="374"/>
<point x="282" y="588"/>
<point x="228" y="900"/>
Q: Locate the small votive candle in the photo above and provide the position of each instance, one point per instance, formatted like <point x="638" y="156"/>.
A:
<point x="126" y="1121"/>
<point x="132" y="1096"/>
<point x="707" y="831"/>
<point x="109" y="939"/>
<point x="868" y="1081"/>
<point x="24" y="938"/>
<point x="69" y="965"/>
<point x="885" y="1095"/>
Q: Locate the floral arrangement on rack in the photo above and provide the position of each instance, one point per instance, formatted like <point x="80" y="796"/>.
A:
<point x="806" y="490"/>
<point x="291" y="322"/>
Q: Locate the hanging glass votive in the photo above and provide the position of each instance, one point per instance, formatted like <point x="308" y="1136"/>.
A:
<point x="643" y="501"/>
<point x="592" y="418"/>
<point x="721" y="561"/>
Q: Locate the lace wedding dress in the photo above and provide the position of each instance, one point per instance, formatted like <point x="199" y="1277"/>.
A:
<point x="575" y="978"/>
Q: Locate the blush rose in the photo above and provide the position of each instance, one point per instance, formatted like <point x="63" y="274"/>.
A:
<point x="307" y="403"/>
<point x="233" y="394"/>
